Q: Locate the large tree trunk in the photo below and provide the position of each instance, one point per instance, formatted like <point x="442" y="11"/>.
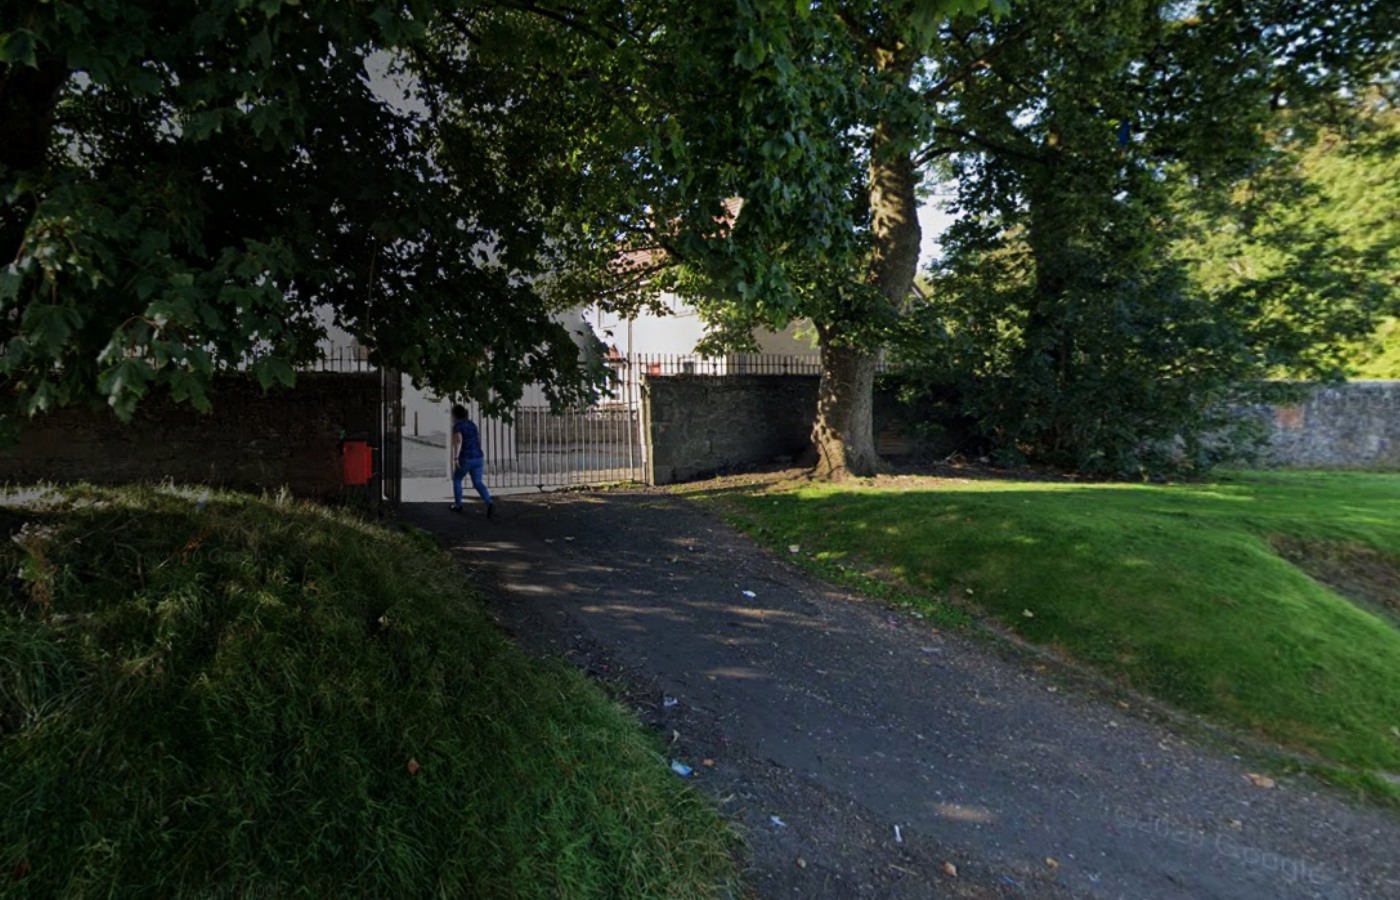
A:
<point x="843" y="432"/>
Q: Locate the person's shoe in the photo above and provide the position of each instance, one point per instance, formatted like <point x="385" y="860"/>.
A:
<point x="491" y="510"/>
<point x="454" y="508"/>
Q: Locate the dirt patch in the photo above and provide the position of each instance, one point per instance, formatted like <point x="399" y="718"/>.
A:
<point x="1362" y="574"/>
<point x="897" y="473"/>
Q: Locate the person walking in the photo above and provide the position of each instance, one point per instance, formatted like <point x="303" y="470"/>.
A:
<point x="468" y="460"/>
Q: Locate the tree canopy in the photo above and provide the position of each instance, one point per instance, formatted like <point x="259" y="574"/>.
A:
<point x="1313" y="235"/>
<point x="1093" y="146"/>
<point x="193" y="187"/>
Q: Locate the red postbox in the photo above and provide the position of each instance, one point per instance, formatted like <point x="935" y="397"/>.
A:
<point x="357" y="462"/>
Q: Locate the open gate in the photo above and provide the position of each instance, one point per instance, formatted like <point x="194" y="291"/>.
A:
<point x="592" y="445"/>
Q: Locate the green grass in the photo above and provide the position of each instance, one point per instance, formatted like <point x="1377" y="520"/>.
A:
<point x="226" y="701"/>
<point x="1176" y="591"/>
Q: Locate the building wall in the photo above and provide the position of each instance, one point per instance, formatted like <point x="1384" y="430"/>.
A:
<point x="252" y="441"/>
<point x="799" y="338"/>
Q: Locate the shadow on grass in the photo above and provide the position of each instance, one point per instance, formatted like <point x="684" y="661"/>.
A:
<point x="1176" y="591"/>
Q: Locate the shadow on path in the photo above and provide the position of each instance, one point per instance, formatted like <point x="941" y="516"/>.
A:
<point x="885" y="748"/>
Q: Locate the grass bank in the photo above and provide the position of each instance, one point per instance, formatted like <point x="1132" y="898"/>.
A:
<point x="1213" y="597"/>
<point x="246" y="697"/>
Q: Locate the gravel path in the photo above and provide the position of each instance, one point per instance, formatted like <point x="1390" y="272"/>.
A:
<point x="864" y="754"/>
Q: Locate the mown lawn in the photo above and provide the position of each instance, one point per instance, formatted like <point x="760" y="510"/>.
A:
<point x="245" y="697"/>
<point x="1179" y="591"/>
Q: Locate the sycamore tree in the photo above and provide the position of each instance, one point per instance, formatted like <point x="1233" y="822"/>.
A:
<point x="833" y="113"/>
<point x="191" y="187"/>
<point x="757" y="158"/>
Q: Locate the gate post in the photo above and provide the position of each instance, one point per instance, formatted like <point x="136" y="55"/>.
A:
<point x="390" y="437"/>
<point x="645" y="424"/>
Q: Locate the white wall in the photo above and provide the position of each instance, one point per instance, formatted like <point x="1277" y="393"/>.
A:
<point x="678" y="334"/>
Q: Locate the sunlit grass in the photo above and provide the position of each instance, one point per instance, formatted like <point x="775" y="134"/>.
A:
<point x="257" y="698"/>
<point x="1174" y="590"/>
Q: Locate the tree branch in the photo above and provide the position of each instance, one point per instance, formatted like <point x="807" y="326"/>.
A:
<point x="929" y="154"/>
<point x="562" y="17"/>
<point x="981" y="61"/>
<point x="976" y="140"/>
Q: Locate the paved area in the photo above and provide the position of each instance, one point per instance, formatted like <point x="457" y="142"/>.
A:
<point x="864" y="754"/>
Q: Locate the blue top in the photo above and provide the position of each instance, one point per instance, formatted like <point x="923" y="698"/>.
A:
<point x="471" y="439"/>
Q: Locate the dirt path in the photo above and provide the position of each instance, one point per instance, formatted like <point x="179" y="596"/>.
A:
<point x="860" y="751"/>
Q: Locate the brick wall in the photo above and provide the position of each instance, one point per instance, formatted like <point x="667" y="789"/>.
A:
<point x="251" y="441"/>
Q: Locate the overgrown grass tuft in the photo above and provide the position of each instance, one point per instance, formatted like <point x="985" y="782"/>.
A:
<point x="1179" y="591"/>
<point x="246" y="697"/>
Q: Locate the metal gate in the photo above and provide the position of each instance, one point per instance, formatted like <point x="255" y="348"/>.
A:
<point x="593" y="445"/>
<point x="391" y="436"/>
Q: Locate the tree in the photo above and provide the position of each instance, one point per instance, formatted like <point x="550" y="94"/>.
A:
<point x="1065" y="311"/>
<point x="826" y="106"/>
<point x="187" y="185"/>
<point x="855" y="288"/>
<point x="1315" y="228"/>
<point x="192" y="182"/>
<point x="807" y="113"/>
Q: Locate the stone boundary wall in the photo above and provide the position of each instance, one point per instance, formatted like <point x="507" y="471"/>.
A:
<point x="700" y="425"/>
<point x="252" y="441"/>
<point x="697" y="425"/>
<point x="1348" y="426"/>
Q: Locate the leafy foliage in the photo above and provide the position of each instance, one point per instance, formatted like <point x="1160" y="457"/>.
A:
<point x="1378" y="355"/>
<point x="1309" y="245"/>
<point x="833" y="107"/>
<point x="677" y="111"/>
<point x="195" y="187"/>
<point x="1086" y="146"/>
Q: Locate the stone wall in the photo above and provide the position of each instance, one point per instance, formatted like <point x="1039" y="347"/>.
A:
<point x="699" y="425"/>
<point x="252" y="440"/>
<point x="1354" y="425"/>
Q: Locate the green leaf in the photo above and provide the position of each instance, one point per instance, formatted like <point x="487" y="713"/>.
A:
<point x="124" y="384"/>
<point x="202" y="124"/>
<point x="10" y="281"/>
<point x="271" y="370"/>
<point x="17" y="48"/>
<point x="189" y="387"/>
<point x="16" y="351"/>
<point x="260" y="47"/>
<point x="42" y="399"/>
<point x="48" y="326"/>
